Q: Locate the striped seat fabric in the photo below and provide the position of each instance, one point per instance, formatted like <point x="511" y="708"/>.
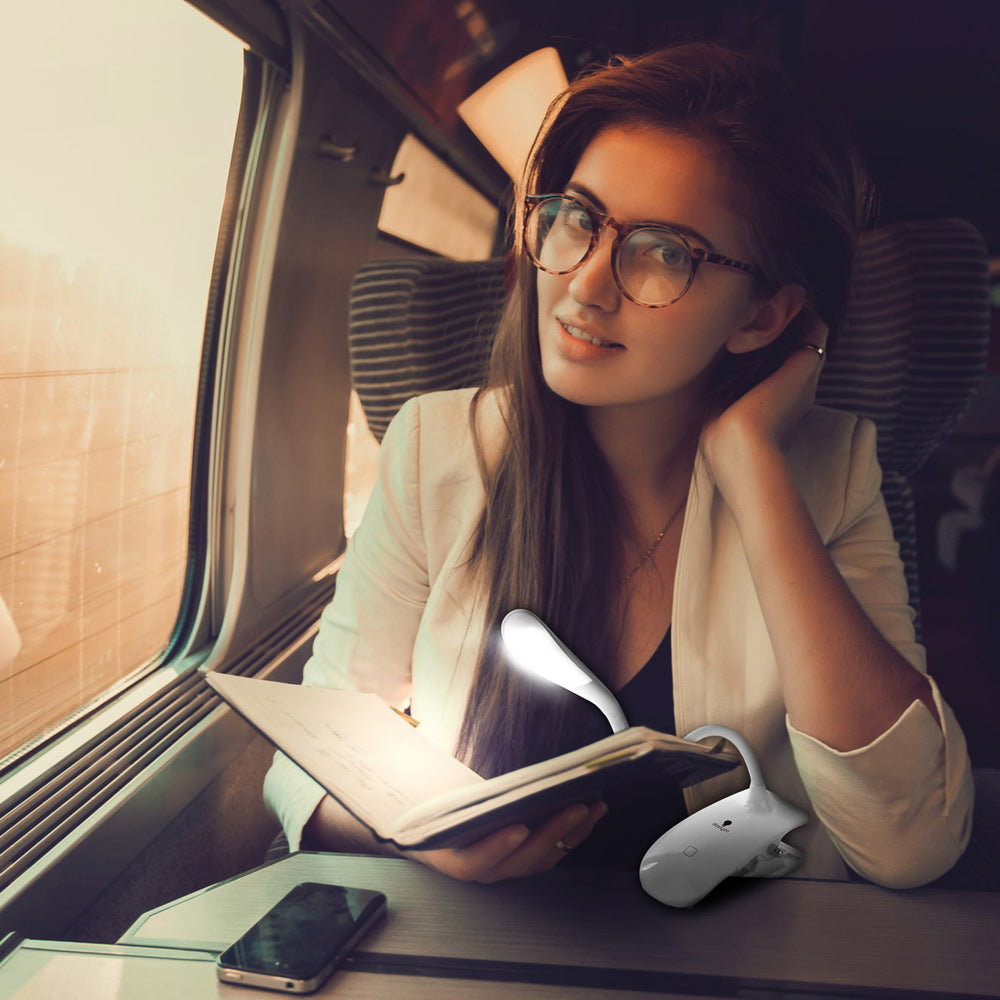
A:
<point x="420" y="325"/>
<point x="912" y="352"/>
<point x="910" y="357"/>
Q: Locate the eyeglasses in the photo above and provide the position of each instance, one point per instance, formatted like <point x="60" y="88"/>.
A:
<point x="653" y="265"/>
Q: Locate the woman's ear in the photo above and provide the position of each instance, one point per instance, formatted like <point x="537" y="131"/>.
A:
<point x="770" y="318"/>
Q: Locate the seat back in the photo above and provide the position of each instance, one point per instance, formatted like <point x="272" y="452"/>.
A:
<point x="417" y="325"/>
<point x="912" y="352"/>
<point x="910" y="356"/>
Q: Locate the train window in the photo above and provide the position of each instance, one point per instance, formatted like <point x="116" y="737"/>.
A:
<point x="117" y="120"/>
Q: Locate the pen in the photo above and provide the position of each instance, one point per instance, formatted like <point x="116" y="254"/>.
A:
<point x="409" y="718"/>
<point x="611" y="758"/>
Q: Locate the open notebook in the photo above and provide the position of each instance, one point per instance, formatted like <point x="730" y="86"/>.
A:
<point x="409" y="791"/>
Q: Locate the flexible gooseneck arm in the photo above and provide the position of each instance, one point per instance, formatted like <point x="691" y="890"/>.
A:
<point x="756" y="778"/>
<point x="758" y="798"/>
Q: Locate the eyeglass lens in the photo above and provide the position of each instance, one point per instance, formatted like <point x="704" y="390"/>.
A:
<point x="653" y="265"/>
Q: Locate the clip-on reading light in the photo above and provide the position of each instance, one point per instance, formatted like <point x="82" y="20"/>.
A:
<point x="738" y="835"/>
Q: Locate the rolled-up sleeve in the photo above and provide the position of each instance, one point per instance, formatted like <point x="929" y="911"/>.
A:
<point x="366" y="635"/>
<point x="899" y="810"/>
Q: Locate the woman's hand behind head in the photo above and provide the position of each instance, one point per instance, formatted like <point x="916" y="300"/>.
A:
<point x="762" y="417"/>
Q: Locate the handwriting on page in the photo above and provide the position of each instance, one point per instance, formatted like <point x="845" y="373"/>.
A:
<point x="351" y="743"/>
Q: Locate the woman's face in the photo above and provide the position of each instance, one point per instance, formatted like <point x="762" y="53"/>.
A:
<point x="646" y="174"/>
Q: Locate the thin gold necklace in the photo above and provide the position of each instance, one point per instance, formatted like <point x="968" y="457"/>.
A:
<point x="656" y="541"/>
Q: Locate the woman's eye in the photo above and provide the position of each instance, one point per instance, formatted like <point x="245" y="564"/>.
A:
<point x="574" y="217"/>
<point x="669" y="253"/>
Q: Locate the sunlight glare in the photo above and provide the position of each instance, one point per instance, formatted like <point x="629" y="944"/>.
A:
<point x="94" y="100"/>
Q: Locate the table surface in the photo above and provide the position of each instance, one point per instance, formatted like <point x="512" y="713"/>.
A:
<point x="40" y="970"/>
<point x="585" y="932"/>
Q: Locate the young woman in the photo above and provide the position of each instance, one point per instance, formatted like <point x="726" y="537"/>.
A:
<point x="646" y="471"/>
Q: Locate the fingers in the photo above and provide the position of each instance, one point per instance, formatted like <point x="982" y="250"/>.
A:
<point x="816" y="349"/>
<point x="764" y="416"/>
<point x="475" y="862"/>
<point x="569" y="830"/>
<point x="516" y="851"/>
<point x="800" y="374"/>
<point x="549" y="844"/>
<point x="814" y="328"/>
<point x="815" y="336"/>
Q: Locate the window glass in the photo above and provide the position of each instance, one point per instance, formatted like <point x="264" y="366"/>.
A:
<point x="118" y="120"/>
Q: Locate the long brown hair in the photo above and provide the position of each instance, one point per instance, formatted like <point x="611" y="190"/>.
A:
<point x="550" y="533"/>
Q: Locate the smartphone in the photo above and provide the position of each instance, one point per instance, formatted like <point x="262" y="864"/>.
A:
<point x="300" y="941"/>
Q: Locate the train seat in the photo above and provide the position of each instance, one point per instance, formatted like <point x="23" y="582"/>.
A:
<point x="910" y="356"/>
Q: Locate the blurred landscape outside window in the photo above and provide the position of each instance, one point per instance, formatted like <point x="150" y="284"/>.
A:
<point x="118" y="120"/>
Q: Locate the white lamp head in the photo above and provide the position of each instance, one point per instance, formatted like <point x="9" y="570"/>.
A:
<point x="533" y="647"/>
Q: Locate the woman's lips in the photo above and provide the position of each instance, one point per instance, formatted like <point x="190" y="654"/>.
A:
<point x="582" y="336"/>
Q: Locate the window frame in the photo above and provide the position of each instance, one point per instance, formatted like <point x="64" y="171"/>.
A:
<point x="102" y="774"/>
<point x="233" y="619"/>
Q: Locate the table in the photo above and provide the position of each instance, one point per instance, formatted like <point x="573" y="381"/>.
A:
<point x="594" y="934"/>
<point x="55" y="970"/>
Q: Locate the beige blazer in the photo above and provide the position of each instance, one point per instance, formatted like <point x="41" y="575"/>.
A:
<point x="407" y="623"/>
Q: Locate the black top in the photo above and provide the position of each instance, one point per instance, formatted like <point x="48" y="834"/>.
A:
<point x="637" y="816"/>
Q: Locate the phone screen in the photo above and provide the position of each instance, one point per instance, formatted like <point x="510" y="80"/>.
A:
<point x="304" y="936"/>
